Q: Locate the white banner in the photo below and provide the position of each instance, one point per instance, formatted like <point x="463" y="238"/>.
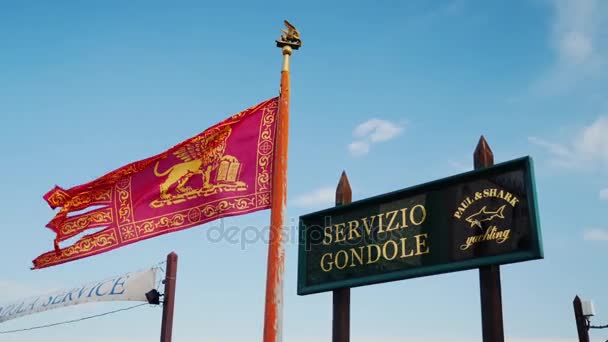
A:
<point x="127" y="287"/>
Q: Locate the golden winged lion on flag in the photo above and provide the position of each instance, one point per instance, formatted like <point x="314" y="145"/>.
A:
<point x="201" y="156"/>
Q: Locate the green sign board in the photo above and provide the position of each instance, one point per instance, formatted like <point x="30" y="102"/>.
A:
<point x="483" y="217"/>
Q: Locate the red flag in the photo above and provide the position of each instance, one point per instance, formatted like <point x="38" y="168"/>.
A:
<point x="224" y="171"/>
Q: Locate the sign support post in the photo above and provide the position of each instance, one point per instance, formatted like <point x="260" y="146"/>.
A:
<point x="581" y="323"/>
<point x="489" y="276"/>
<point x="169" y="298"/>
<point x="341" y="297"/>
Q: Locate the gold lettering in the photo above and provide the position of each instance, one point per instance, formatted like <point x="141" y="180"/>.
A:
<point x="352" y="228"/>
<point x="403" y="218"/>
<point x="503" y="236"/>
<point x="380" y="228"/>
<point x="468" y="244"/>
<point x="490" y="192"/>
<point x="327" y="232"/>
<point x="369" y="253"/>
<point x="391" y="220"/>
<point x="421" y="243"/>
<point x="412" y="218"/>
<point x="329" y="263"/>
<point x="338" y="259"/>
<point x="368" y="226"/>
<point x="353" y="256"/>
<point x="491" y="234"/>
<point x="340" y="231"/>
<point x="395" y="251"/>
<point x="404" y="248"/>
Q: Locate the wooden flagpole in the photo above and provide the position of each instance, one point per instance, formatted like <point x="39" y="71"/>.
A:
<point x="288" y="42"/>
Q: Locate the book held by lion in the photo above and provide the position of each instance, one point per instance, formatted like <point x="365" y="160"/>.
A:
<point x="224" y="171"/>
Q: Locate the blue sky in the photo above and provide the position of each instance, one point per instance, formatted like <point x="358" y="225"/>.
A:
<point x="395" y="93"/>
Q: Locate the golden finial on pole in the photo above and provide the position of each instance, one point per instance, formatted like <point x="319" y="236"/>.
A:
<point x="290" y="38"/>
<point x="289" y="41"/>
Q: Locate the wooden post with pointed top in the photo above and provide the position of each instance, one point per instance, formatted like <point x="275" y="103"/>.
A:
<point x="341" y="297"/>
<point x="581" y="323"/>
<point x="489" y="276"/>
<point x="169" y="298"/>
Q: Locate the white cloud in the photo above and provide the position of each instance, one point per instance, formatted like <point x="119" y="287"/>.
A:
<point x="553" y="148"/>
<point x="577" y="31"/>
<point x="596" y="235"/>
<point x="358" y="148"/>
<point x="377" y="130"/>
<point x="562" y="155"/>
<point x="321" y="196"/>
<point x="370" y="132"/>
<point x="576" y="47"/>
<point x="593" y="142"/>
<point x="588" y="149"/>
<point x="604" y="194"/>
